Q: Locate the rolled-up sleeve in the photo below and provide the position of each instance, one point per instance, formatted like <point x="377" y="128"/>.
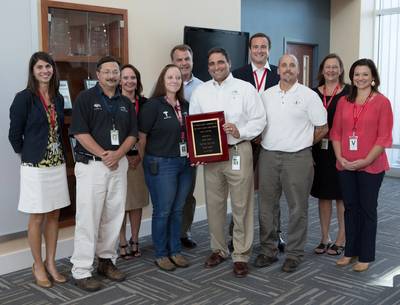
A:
<point x="385" y="125"/>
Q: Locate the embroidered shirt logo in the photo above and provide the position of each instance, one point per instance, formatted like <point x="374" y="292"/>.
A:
<point x="97" y="107"/>
<point x="166" y="115"/>
<point x="123" y="109"/>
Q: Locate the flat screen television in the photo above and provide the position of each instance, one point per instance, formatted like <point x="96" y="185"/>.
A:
<point x="201" y="40"/>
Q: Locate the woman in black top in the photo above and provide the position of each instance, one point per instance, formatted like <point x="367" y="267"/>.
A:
<point x="162" y="134"/>
<point x="36" y="120"/>
<point x="326" y="184"/>
<point x="137" y="194"/>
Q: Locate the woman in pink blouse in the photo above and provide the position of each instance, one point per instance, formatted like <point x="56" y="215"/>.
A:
<point x="362" y="129"/>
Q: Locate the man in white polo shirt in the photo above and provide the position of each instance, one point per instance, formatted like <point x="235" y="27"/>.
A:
<point x="296" y="119"/>
<point x="245" y="119"/>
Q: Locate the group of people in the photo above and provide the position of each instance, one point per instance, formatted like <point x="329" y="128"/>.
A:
<point x="329" y="141"/>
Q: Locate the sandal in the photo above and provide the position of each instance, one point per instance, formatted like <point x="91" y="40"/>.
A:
<point x="123" y="252"/>
<point x="335" y="250"/>
<point x="321" y="248"/>
<point x="135" y="248"/>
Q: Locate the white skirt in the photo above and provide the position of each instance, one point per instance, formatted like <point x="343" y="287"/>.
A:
<point x="43" y="189"/>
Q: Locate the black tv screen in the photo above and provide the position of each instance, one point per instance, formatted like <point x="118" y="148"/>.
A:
<point x="201" y="40"/>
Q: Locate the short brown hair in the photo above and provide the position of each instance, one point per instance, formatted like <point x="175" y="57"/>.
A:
<point x="262" y="35"/>
<point x="105" y="59"/>
<point x="180" y="47"/>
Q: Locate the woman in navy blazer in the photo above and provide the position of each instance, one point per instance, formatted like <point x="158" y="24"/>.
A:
<point x="36" y="120"/>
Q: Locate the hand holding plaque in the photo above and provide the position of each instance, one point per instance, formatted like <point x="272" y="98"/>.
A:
<point x="207" y="141"/>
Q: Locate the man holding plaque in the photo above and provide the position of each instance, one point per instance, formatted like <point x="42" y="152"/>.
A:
<point x="182" y="57"/>
<point x="296" y="118"/>
<point x="245" y="119"/>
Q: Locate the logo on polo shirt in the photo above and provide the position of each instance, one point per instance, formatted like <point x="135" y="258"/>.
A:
<point x="166" y="115"/>
<point x="123" y="109"/>
<point x="97" y="107"/>
<point x="235" y="94"/>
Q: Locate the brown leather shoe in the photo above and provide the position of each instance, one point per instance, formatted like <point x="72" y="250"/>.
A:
<point x="179" y="260"/>
<point x="164" y="263"/>
<point x="88" y="284"/>
<point x="213" y="260"/>
<point x="109" y="270"/>
<point x="240" y="269"/>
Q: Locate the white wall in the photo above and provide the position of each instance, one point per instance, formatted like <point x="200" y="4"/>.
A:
<point x="352" y="30"/>
<point x="19" y="42"/>
<point x="155" y="26"/>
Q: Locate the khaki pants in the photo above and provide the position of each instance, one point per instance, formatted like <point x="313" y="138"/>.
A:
<point x="293" y="174"/>
<point x="100" y="209"/>
<point x="219" y="180"/>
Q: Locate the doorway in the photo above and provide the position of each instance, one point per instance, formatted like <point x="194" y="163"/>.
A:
<point x="305" y="54"/>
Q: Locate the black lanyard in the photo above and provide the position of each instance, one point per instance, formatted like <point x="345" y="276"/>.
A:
<point x="111" y="107"/>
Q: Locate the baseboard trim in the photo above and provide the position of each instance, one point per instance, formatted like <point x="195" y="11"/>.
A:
<point x="21" y="259"/>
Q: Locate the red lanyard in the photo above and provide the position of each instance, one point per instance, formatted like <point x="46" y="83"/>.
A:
<point x="178" y="113"/>
<point x="137" y="105"/>
<point x="259" y="84"/>
<point x="326" y="105"/>
<point x="52" y="111"/>
<point x="356" y="115"/>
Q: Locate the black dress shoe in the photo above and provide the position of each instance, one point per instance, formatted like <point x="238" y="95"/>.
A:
<point x="264" y="261"/>
<point x="281" y="243"/>
<point x="189" y="243"/>
<point x="290" y="265"/>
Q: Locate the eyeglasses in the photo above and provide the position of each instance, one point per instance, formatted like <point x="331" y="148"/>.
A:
<point x="108" y="73"/>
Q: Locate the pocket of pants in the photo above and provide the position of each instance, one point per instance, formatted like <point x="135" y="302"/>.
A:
<point x="153" y="166"/>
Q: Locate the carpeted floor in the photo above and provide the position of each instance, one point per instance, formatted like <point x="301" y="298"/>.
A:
<point x="318" y="280"/>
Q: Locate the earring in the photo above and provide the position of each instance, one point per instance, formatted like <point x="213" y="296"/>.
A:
<point x="373" y="83"/>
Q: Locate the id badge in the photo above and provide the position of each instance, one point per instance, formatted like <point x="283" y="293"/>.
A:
<point x="353" y="143"/>
<point x="324" y="143"/>
<point x="183" y="149"/>
<point x="114" y="137"/>
<point x="236" y="163"/>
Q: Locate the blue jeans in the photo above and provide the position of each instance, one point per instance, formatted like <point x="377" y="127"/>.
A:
<point x="169" y="181"/>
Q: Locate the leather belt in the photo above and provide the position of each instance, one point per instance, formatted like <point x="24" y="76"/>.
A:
<point x="85" y="157"/>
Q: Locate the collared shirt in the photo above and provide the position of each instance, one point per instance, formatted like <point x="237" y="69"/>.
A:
<point x="90" y="115"/>
<point x="292" y="117"/>
<point x="260" y="72"/>
<point x="159" y="122"/>
<point x="239" y="101"/>
<point x="190" y="85"/>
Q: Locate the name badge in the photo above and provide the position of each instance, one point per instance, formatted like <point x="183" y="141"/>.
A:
<point x="324" y="143"/>
<point x="236" y="163"/>
<point x="114" y="137"/>
<point x="183" y="149"/>
<point x="353" y="143"/>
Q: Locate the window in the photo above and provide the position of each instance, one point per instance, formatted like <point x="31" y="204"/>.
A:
<point x="387" y="57"/>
